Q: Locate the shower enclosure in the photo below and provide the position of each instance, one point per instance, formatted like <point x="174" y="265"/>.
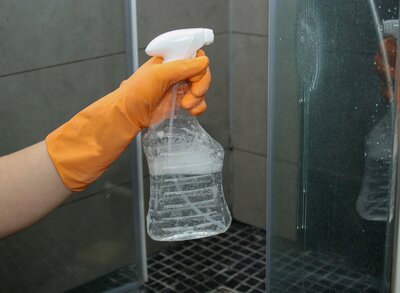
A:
<point x="332" y="220"/>
<point x="49" y="49"/>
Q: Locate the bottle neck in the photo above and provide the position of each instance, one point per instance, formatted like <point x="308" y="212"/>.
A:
<point x="169" y="107"/>
<point x="179" y="90"/>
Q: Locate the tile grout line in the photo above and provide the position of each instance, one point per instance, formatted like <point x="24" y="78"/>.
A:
<point x="93" y="194"/>
<point x="61" y="64"/>
<point x="250" y="34"/>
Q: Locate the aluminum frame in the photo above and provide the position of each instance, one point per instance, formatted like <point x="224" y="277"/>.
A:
<point x="136" y="147"/>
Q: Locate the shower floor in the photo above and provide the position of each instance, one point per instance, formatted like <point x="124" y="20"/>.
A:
<point x="235" y="262"/>
<point x="293" y="270"/>
<point x="230" y="262"/>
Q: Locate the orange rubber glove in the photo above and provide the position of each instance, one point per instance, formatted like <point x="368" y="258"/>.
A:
<point x="84" y="147"/>
<point x="382" y="68"/>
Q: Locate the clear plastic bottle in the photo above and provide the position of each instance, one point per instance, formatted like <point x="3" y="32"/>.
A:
<point x="373" y="202"/>
<point x="185" y="163"/>
<point x="186" y="194"/>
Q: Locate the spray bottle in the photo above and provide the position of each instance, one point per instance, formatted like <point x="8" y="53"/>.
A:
<point x="374" y="202"/>
<point x="185" y="162"/>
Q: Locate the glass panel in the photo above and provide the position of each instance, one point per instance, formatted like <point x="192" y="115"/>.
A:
<point x="55" y="60"/>
<point x="331" y="162"/>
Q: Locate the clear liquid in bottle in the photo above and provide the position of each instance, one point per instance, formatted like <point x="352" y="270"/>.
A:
<point x="186" y="194"/>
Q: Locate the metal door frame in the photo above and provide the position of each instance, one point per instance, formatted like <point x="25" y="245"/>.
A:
<point x="136" y="149"/>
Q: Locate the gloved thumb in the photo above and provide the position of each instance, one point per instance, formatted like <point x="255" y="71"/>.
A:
<point x="176" y="71"/>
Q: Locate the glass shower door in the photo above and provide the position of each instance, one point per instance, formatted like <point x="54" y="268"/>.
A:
<point x="332" y="159"/>
<point x="56" y="58"/>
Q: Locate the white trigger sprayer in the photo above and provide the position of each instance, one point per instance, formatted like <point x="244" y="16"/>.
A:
<point x="390" y="27"/>
<point x="185" y="162"/>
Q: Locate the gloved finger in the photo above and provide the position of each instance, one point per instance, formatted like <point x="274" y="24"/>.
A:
<point x="190" y="101"/>
<point x="176" y="71"/>
<point x="390" y="48"/>
<point x="387" y="94"/>
<point x="199" y="88"/>
<point x="200" y="52"/>
<point x="378" y="63"/>
<point x="123" y="82"/>
<point x="152" y="61"/>
<point x="382" y="68"/>
<point x="200" y="109"/>
<point x="198" y="77"/>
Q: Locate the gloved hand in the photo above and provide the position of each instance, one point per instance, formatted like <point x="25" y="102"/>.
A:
<point x="84" y="147"/>
<point x="382" y="68"/>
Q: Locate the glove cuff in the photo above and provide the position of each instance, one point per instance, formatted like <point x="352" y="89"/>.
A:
<point x="84" y="147"/>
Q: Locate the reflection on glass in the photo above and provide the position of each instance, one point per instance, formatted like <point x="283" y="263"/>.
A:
<point x="331" y="191"/>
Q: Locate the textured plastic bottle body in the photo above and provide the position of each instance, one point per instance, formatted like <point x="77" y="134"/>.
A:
<point x="186" y="193"/>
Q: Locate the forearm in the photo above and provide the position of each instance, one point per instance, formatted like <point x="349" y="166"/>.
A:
<point x="36" y="180"/>
<point x="30" y="188"/>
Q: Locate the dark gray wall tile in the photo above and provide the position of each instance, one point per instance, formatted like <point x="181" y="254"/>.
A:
<point x="73" y="245"/>
<point x="35" y="103"/>
<point x="250" y="92"/>
<point x="158" y="16"/>
<point x="250" y="16"/>
<point x="287" y="104"/>
<point x="42" y="33"/>
<point x="216" y="119"/>
<point x="249" y="186"/>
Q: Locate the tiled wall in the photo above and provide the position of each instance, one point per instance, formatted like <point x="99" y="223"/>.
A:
<point x="56" y="58"/>
<point x="249" y="85"/>
<point x="248" y="76"/>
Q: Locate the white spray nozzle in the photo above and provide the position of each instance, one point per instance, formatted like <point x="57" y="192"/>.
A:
<point x="180" y="44"/>
<point x="208" y="36"/>
<point x="390" y="27"/>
